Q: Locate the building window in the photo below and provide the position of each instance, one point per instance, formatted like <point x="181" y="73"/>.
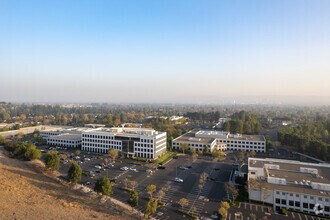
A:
<point x="290" y="203"/>
<point x="305" y="205"/>
<point x="278" y="201"/>
<point x="327" y="208"/>
<point x="297" y="204"/>
<point x="311" y="206"/>
<point x="283" y="202"/>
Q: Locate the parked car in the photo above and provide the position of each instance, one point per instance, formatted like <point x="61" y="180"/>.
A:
<point x="98" y="167"/>
<point x="179" y="180"/>
<point x="183" y="168"/>
<point x="161" y="167"/>
<point x="133" y="169"/>
<point x="124" y="168"/>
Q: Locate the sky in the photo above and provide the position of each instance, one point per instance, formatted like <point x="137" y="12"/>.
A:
<point x="163" y="50"/>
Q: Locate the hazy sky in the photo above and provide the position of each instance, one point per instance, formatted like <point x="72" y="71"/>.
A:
<point x="147" y="51"/>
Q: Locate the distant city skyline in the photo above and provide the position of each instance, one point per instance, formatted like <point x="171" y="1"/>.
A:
<point x="165" y="51"/>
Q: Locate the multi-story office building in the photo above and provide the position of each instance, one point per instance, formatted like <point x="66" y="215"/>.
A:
<point x="138" y="142"/>
<point x="199" y="139"/>
<point x="290" y="184"/>
<point x="63" y="137"/>
<point x="65" y="140"/>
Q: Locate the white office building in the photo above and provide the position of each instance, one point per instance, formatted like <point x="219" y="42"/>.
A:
<point x="292" y="185"/>
<point x="63" y="137"/>
<point x="199" y="139"/>
<point x="138" y="142"/>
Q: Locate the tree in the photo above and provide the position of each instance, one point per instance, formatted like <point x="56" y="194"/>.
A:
<point x="218" y="154"/>
<point x="193" y="153"/>
<point x="225" y="205"/>
<point x="202" y="180"/>
<point x="151" y="207"/>
<point x="253" y="216"/>
<point x="76" y="152"/>
<point x="31" y="152"/>
<point x="251" y="153"/>
<point x="207" y="149"/>
<point x="231" y="190"/>
<point x="104" y="186"/>
<point x="52" y="160"/>
<point x="125" y="183"/>
<point x="183" y="202"/>
<point x="113" y="154"/>
<point x="134" y="198"/>
<point x="2" y="140"/>
<point x="151" y="189"/>
<point x="223" y="212"/>
<point x="132" y="184"/>
<point x="160" y="194"/>
<point x="184" y="147"/>
<point x="74" y="173"/>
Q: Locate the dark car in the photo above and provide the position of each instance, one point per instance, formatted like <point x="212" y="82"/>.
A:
<point x="161" y="167"/>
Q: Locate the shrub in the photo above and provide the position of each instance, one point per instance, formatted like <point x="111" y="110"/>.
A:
<point x="104" y="186"/>
<point x="74" y="173"/>
<point x="52" y="160"/>
<point x="284" y="211"/>
<point x="32" y="152"/>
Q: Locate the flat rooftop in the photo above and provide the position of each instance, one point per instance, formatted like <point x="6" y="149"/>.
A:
<point x="190" y="137"/>
<point x="298" y="175"/>
<point x="65" y="136"/>
<point x="208" y="136"/>
<point x="246" y="137"/>
<point x="127" y="132"/>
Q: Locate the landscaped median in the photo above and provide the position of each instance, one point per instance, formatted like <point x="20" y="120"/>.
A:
<point x="165" y="158"/>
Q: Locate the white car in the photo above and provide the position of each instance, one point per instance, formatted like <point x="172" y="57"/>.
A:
<point x="98" y="167"/>
<point x="87" y="159"/>
<point x="124" y="168"/>
<point x="179" y="180"/>
<point x="132" y="169"/>
<point x="110" y="165"/>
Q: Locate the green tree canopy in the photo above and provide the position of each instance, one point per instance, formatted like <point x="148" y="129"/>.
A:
<point x="74" y="173"/>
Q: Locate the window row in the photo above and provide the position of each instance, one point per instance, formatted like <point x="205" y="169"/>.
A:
<point x="143" y="150"/>
<point x="98" y="136"/>
<point x="242" y="142"/>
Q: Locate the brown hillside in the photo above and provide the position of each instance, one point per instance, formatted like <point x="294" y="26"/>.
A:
<point x="25" y="193"/>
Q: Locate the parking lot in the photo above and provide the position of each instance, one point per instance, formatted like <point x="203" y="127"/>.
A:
<point x="260" y="211"/>
<point x="203" y="201"/>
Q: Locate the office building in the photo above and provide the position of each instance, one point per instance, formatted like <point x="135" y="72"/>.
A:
<point x="200" y="139"/>
<point x="292" y="185"/>
<point x="138" y="142"/>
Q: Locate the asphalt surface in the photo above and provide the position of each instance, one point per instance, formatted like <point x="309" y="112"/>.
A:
<point x="202" y="202"/>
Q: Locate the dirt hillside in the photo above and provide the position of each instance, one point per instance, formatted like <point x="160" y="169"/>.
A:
<point x="25" y="193"/>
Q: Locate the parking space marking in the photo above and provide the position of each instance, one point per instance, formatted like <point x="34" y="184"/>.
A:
<point x="306" y="217"/>
<point x="299" y="216"/>
<point x="293" y="216"/>
<point x="229" y="216"/>
<point x="245" y="205"/>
